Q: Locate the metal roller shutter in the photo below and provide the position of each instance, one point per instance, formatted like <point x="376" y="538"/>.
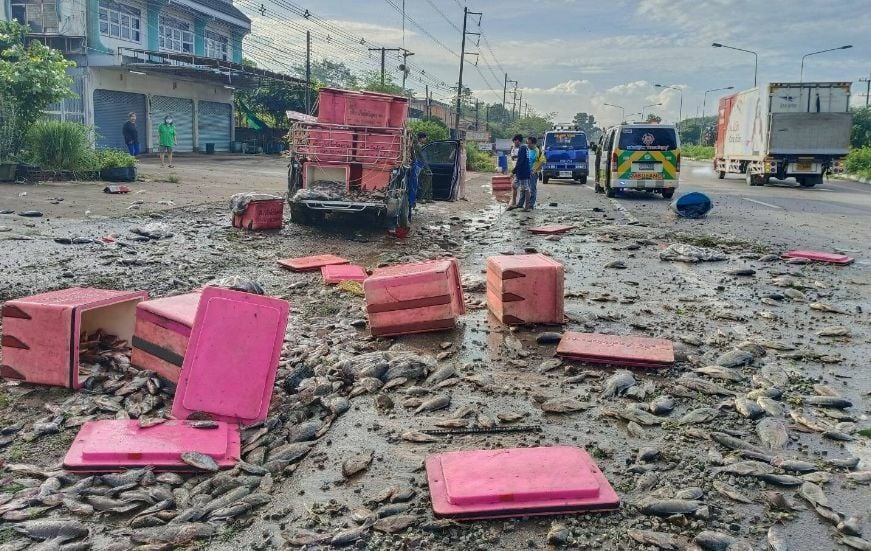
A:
<point x="182" y="111"/>
<point x="214" y="121"/>
<point x="110" y="113"/>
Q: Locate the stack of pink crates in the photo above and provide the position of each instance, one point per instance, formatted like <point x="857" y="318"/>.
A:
<point x="163" y="327"/>
<point x="414" y="298"/>
<point x="525" y="288"/>
<point x="359" y="131"/>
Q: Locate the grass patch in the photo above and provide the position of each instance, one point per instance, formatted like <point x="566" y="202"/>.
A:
<point x="173" y="179"/>
<point x="8" y="535"/>
<point x="11" y="488"/>
<point x="322" y="309"/>
<point x="4" y="399"/>
<point x="859" y="161"/>
<point x="697" y="151"/>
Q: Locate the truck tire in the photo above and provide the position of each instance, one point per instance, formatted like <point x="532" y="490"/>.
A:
<point x="810" y="181"/>
<point x="301" y="214"/>
<point x="404" y="214"/>
<point x="610" y="192"/>
<point x="598" y="188"/>
<point x="545" y="179"/>
<point x="668" y="193"/>
<point x="721" y="175"/>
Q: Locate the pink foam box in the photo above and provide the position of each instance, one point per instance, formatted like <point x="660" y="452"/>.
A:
<point x="819" y="256"/>
<point x="380" y="148"/>
<point x="41" y="333"/>
<point x="517" y="482"/>
<point x="117" y="444"/>
<point x="353" y="108"/>
<point x="232" y="356"/>
<point x="500" y="183"/>
<point x="337" y="273"/>
<point x="625" y="350"/>
<point x="374" y="178"/>
<point x="414" y="298"/>
<point x="551" y="229"/>
<point x="329" y="144"/>
<point x="525" y="288"/>
<point x="311" y="263"/>
<point x="163" y="327"/>
<point x="261" y="215"/>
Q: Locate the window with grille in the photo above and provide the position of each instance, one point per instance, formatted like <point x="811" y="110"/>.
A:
<point x="120" y="21"/>
<point x="217" y="45"/>
<point x="39" y="15"/>
<point x="176" y="35"/>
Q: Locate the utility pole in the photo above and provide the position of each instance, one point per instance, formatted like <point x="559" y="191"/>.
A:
<point x="405" y="54"/>
<point x="514" y="102"/>
<point x="466" y="14"/>
<point x="505" y="91"/>
<point x="426" y="101"/>
<point x="477" y="114"/>
<point x="383" y="67"/>
<point x="308" y="73"/>
<point x="520" y="105"/>
<point x="867" y="82"/>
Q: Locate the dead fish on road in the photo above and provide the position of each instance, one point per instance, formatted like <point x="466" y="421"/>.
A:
<point x="661" y="405"/>
<point x="714" y="541"/>
<point x="668" y="507"/>
<point x="699" y="416"/>
<point x="746" y="468"/>
<point x="418" y="437"/>
<point x="350" y="535"/>
<point x="356" y="464"/>
<point x="777" y="538"/>
<point x="860" y="477"/>
<point x="434" y="404"/>
<point x="794" y="465"/>
<point x="200" y="461"/>
<point x="617" y="384"/>
<point x="834" y="331"/>
<point x="748" y="408"/>
<point x="52" y="529"/>
<point x="564" y="405"/>
<point x="786" y="480"/>
<point x="703" y="386"/>
<point x="828" y="308"/>
<point x="779" y="502"/>
<point x="735" y="358"/>
<point x="731" y="492"/>
<point x="827" y="402"/>
<point x="770" y="406"/>
<point x="176" y="534"/>
<point x="856" y="543"/>
<point x="813" y="494"/>
<point x="734" y="443"/>
<point x="772" y="432"/>
<point x="719" y="372"/>
<point x="633" y="414"/>
<point x="662" y="540"/>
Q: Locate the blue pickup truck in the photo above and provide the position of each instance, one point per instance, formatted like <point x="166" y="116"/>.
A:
<point x="566" y="153"/>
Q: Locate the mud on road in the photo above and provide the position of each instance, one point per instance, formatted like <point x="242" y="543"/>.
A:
<point x="731" y="448"/>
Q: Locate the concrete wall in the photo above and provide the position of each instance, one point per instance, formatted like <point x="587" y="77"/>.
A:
<point x="107" y="78"/>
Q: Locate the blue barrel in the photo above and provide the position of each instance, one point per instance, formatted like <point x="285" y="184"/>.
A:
<point x="692" y="205"/>
<point x="503" y="162"/>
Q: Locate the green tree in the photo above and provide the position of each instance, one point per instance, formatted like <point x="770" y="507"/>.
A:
<point x="435" y="128"/>
<point x="371" y="82"/>
<point x="585" y="122"/>
<point x="653" y="117"/>
<point x="692" y="130"/>
<point x="33" y="76"/>
<point x="861" y="134"/>
<point x="331" y="73"/>
<point x="533" y="125"/>
<point x="271" y="102"/>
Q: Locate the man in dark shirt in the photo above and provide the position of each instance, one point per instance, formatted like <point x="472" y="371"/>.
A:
<point x="520" y="195"/>
<point x="131" y="134"/>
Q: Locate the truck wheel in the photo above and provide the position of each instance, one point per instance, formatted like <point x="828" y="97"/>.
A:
<point x="598" y="188"/>
<point x="810" y="181"/>
<point x="404" y="214"/>
<point x="610" y="192"/>
<point x="721" y="175"/>
<point x="545" y="179"/>
<point x="300" y="214"/>
<point x="668" y="193"/>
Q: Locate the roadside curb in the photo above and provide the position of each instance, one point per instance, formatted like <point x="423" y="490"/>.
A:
<point x="853" y="178"/>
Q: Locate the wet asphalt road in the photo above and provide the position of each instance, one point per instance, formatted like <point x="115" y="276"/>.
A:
<point x="833" y="216"/>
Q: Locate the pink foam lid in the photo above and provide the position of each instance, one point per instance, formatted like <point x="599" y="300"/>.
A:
<point x="517" y="475"/>
<point x="820" y="256"/>
<point x="335" y="273"/>
<point x="311" y="263"/>
<point x="232" y="356"/>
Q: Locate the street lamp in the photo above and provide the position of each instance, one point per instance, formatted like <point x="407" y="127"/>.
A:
<point x="646" y="106"/>
<point x="755" y="56"/>
<point x="801" y="76"/>
<point x="680" y="109"/>
<point x="630" y="115"/>
<point x="621" y="108"/>
<point x="704" y="103"/>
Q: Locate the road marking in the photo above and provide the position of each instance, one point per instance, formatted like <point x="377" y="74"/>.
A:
<point x="818" y="189"/>
<point x="628" y="215"/>
<point x="762" y="203"/>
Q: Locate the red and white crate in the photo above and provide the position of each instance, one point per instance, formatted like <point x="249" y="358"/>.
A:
<point x="525" y="288"/>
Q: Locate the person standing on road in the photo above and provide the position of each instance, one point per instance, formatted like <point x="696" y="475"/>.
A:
<point x="535" y="160"/>
<point x="522" y="170"/>
<point x="131" y="134"/>
<point x="166" y="135"/>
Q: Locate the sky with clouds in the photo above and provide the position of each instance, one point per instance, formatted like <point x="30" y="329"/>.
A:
<point x="576" y="55"/>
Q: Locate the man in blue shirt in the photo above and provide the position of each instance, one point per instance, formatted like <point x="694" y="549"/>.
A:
<point x="522" y="170"/>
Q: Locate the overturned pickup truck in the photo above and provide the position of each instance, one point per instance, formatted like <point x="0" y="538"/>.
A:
<point x="355" y="158"/>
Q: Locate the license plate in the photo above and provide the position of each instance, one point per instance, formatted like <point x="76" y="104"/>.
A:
<point x="804" y="167"/>
<point x="645" y="176"/>
<point x="647" y="167"/>
<point x="565" y="173"/>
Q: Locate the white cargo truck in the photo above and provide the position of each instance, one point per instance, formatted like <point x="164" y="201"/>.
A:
<point x="783" y="130"/>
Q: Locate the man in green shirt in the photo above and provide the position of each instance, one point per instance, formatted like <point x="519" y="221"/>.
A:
<point x="166" y="135"/>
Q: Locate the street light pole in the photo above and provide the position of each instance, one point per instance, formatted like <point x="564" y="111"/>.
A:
<point x="867" y="82"/>
<point x="680" y="109"/>
<point x="755" y="58"/>
<point x="621" y="108"/>
<point x="645" y="107"/>
<point x="801" y="75"/>
<point x="704" y="104"/>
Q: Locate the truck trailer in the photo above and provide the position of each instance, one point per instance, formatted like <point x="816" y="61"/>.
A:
<point x="783" y="130"/>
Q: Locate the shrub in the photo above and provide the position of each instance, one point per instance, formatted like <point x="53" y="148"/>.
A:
<point x="10" y="134"/>
<point x="115" y="158"/>
<point x="61" y="145"/>
<point x="859" y="161"/>
<point x="697" y="151"/>
<point x="477" y="160"/>
<point x="434" y="128"/>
